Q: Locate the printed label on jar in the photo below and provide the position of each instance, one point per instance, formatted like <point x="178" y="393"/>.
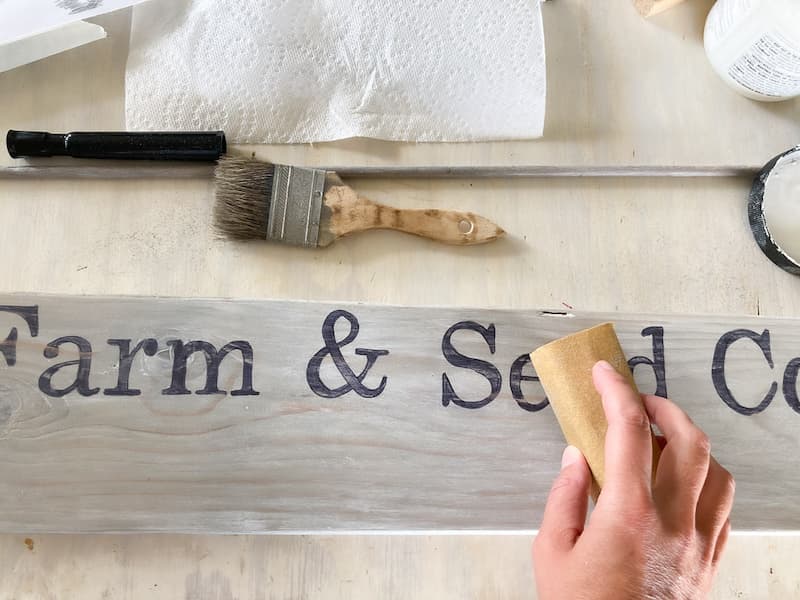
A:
<point x="771" y="67"/>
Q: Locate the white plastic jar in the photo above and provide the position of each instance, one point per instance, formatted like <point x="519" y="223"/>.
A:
<point x="754" y="45"/>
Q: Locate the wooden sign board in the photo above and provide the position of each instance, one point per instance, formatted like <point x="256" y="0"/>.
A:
<point x="188" y="415"/>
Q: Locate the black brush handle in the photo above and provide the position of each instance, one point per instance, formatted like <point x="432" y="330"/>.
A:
<point x="146" y="145"/>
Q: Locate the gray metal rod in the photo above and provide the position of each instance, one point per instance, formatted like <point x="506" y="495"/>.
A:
<point x="198" y="171"/>
<point x="533" y="171"/>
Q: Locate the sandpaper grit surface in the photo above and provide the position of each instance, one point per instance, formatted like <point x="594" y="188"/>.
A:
<point x="564" y="367"/>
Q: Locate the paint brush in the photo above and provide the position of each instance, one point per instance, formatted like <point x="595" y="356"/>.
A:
<point x="313" y="208"/>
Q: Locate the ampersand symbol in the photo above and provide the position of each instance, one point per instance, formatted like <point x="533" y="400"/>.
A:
<point x="333" y="348"/>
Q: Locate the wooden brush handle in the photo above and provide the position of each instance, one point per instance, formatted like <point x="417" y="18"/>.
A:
<point x="345" y="213"/>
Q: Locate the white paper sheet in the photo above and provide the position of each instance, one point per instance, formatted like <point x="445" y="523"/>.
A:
<point x="23" y="18"/>
<point x="316" y="70"/>
<point x="36" y="47"/>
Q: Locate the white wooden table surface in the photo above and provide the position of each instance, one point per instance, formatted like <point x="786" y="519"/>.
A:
<point x="621" y="91"/>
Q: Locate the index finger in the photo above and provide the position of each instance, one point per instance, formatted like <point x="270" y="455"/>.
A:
<point x="628" y="445"/>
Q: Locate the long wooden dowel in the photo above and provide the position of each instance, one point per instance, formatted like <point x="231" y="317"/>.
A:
<point x="199" y="171"/>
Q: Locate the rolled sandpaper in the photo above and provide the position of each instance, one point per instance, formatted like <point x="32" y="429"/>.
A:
<point x="564" y="368"/>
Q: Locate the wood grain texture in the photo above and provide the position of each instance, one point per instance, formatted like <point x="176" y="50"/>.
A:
<point x="344" y="212"/>
<point x="205" y="567"/>
<point x="619" y="246"/>
<point x="621" y="91"/>
<point x="296" y="451"/>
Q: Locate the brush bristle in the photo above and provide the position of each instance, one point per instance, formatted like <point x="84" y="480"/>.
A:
<point x="243" y="196"/>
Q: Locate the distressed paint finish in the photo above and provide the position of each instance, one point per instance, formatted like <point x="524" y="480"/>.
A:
<point x="662" y="246"/>
<point x="349" y="417"/>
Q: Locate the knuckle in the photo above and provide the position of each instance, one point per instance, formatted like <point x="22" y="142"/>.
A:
<point x="555" y="539"/>
<point x="634" y="418"/>
<point x="640" y="512"/>
<point x="726" y="527"/>
<point x="633" y="500"/>
<point x="641" y="500"/>
<point x="638" y="525"/>
<point x="565" y="537"/>
<point x="728" y="483"/>
<point x="635" y="507"/>
<point x="699" y="443"/>
<point x="715" y="515"/>
<point x="562" y="482"/>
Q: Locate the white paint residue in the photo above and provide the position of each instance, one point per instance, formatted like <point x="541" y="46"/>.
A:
<point x="782" y="204"/>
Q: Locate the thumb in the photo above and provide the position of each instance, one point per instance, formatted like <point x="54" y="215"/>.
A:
<point x="565" y="512"/>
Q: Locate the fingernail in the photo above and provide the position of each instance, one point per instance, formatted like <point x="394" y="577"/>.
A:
<point x="571" y="455"/>
<point x="605" y="366"/>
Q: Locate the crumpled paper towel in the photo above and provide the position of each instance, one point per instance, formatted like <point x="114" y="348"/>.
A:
<point x="269" y="71"/>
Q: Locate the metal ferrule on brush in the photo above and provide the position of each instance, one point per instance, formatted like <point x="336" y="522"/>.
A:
<point x="296" y="205"/>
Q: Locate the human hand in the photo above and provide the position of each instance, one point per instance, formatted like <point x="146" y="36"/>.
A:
<point x="659" y="540"/>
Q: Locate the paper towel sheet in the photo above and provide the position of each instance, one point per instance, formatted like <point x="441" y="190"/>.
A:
<point x="269" y="71"/>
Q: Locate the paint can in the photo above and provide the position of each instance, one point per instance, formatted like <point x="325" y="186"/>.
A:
<point x="774" y="210"/>
<point x="754" y="45"/>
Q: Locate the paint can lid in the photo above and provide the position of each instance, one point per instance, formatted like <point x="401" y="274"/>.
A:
<point x="774" y="210"/>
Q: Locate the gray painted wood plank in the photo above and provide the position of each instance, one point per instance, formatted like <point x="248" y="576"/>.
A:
<point x="292" y="459"/>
